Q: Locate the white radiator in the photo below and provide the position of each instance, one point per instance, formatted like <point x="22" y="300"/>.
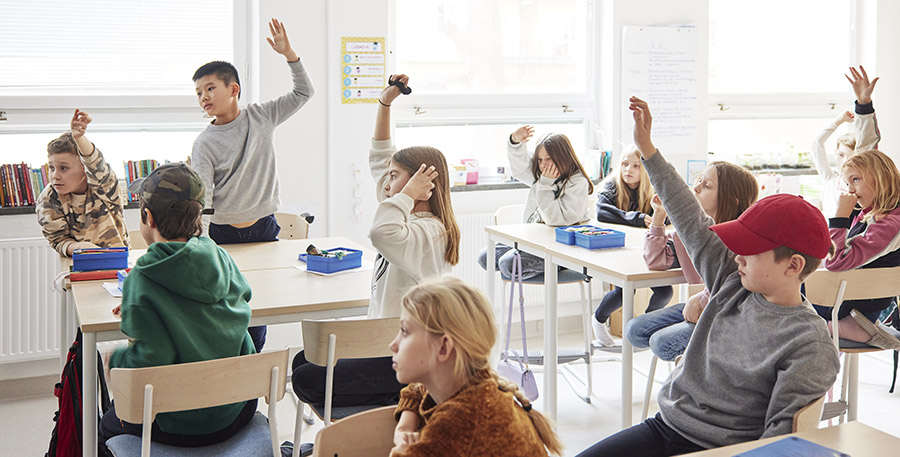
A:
<point x="474" y="239"/>
<point x="29" y="314"/>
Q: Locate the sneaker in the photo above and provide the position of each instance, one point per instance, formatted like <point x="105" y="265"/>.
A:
<point x="601" y="333"/>
<point x="881" y="338"/>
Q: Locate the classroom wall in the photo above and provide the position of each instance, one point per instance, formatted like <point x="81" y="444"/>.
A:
<point x="887" y="93"/>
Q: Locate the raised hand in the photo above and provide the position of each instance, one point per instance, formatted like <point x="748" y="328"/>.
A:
<point x="279" y="41"/>
<point x="862" y="87"/>
<point x="420" y="184"/>
<point x="642" y="122"/>
<point x="389" y="93"/>
<point x="659" y="213"/>
<point x="846" y="116"/>
<point x="523" y="133"/>
<point x="79" y="123"/>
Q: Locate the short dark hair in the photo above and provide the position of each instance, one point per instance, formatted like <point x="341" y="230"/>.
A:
<point x="223" y="70"/>
<point x="812" y="263"/>
<point x="182" y="220"/>
<point x="65" y="144"/>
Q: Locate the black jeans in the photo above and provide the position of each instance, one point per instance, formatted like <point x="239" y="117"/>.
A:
<point x="111" y="425"/>
<point x="356" y="382"/>
<point x="265" y="229"/>
<point x="613" y="301"/>
<point x="651" y="438"/>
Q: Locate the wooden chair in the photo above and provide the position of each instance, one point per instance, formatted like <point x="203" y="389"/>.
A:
<point x="142" y="393"/>
<point x="512" y="214"/>
<point x="293" y="226"/>
<point x="832" y="288"/>
<point x="136" y="239"/>
<point x="808" y="417"/>
<point x="366" y="434"/>
<point x="326" y="342"/>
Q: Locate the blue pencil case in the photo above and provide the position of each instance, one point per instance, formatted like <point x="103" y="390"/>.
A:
<point x="100" y="259"/>
<point x="352" y="258"/>
<point x="566" y="235"/>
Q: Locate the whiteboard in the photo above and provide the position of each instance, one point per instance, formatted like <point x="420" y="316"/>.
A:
<point x="659" y="65"/>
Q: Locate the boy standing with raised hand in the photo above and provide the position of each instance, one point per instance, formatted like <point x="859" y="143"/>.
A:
<point x="759" y="352"/>
<point x="235" y="155"/>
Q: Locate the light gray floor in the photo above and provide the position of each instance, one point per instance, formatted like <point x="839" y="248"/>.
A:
<point x="26" y="422"/>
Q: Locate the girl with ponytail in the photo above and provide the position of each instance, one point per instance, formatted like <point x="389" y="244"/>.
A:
<point x="455" y="404"/>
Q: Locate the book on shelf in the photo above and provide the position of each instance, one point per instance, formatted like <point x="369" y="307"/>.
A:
<point x="20" y="185"/>
<point x="135" y="169"/>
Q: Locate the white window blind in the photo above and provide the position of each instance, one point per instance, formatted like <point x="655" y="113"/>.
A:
<point x="128" y="47"/>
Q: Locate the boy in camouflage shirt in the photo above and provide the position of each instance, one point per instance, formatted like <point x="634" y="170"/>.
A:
<point x="82" y="206"/>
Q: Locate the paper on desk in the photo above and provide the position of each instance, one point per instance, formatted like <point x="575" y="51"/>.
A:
<point x="366" y="265"/>
<point x="113" y="289"/>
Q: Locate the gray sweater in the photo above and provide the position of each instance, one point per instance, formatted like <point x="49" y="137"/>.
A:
<point x="237" y="160"/>
<point x="750" y="364"/>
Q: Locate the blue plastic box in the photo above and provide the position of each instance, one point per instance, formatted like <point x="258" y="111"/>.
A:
<point x="567" y="237"/>
<point x="615" y="239"/>
<point x="352" y="259"/>
<point x="122" y="274"/>
<point x="100" y="259"/>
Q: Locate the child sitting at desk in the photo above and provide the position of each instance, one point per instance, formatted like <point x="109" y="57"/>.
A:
<point x="185" y="301"/>
<point x="759" y="351"/>
<point x="82" y="206"/>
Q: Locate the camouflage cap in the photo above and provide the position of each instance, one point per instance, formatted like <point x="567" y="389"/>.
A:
<point x="168" y="184"/>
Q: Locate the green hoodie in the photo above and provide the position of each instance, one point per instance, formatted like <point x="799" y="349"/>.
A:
<point x="186" y="302"/>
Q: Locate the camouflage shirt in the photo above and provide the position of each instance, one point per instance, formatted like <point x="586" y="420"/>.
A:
<point x="97" y="216"/>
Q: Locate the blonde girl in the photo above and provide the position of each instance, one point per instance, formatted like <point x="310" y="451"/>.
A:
<point x="559" y="191"/>
<point x="724" y="191"/>
<point x="867" y="239"/>
<point x="416" y="236"/>
<point x="455" y="404"/>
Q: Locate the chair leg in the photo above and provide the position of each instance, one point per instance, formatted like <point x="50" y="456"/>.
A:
<point x="845" y="380"/>
<point x="298" y="428"/>
<point x="853" y="387"/>
<point x="651" y="375"/>
<point x="587" y="304"/>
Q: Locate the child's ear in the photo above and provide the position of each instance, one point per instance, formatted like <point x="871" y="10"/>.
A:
<point x="235" y="89"/>
<point x="150" y="222"/>
<point x="446" y="348"/>
<point x="795" y="265"/>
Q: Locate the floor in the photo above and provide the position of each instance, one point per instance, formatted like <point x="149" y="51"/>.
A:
<point x="27" y="420"/>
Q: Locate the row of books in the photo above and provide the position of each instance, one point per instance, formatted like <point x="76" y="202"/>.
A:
<point x="20" y="185"/>
<point x="135" y="169"/>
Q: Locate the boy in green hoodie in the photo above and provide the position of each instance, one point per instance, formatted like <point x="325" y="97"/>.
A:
<point x="185" y="301"/>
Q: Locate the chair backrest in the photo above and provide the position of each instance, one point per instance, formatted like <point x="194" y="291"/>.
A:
<point x="355" y="339"/>
<point x="360" y="435"/>
<point x="831" y="288"/>
<point x="196" y="385"/>
<point x="136" y="240"/>
<point x="293" y="226"/>
<point x="510" y="214"/>
<point x="808" y="417"/>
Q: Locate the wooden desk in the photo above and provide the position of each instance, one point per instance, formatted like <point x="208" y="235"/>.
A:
<point x="623" y="267"/>
<point x="853" y="438"/>
<point x="281" y="294"/>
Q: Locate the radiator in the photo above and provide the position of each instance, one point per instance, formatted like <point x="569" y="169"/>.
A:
<point x="474" y="239"/>
<point x="29" y="314"/>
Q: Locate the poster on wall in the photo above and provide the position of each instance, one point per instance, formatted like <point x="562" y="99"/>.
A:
<point x="362" y="69"/>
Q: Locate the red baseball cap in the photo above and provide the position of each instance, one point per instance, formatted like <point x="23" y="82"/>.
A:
<point x="777" y="220"/>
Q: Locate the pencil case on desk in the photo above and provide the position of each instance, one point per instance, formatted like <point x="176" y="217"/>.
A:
<point x="94" y="275"/>
<point x="100" y="259"/>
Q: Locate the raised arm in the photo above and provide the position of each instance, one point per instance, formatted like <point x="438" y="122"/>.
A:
<point x="281" y="108"/>
<point x="517" y="152"/>
<point x="819" y="154"/>
<point x="78" y="126"/>
<point x="659" y="249"/>
<point x="866" y="125"/>
<point x="383" y="117"/>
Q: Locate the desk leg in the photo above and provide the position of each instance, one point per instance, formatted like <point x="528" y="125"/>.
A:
<point x="63" y="303"/>
<point x="853" y="390"/>
<point x="627" y="353"/>
<point x="551" y="329"/>
<point x="89" y="380"/>
<point x="490" y="270"/>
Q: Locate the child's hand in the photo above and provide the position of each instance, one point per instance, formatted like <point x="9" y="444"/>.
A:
<point x="521" y="134"/>
<point x="117" y="310"/>
<point x="692" y="311"/>
<point x="659" y="213"/>
<point x="846" y="203"/>
<point x="79" y="123"/>
<point x="420" y="185"/>
<point x="861" y="85"/>
<point x="389" y="93"/>
<point x="280" y="42"/>
<point x="642" y="122"/>
<point x="403" y="438"/>
<point x="846" y="116"/>
<point x="549" y="170"/>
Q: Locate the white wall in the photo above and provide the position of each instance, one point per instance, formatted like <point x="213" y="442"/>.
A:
<point x="887" y="93"/>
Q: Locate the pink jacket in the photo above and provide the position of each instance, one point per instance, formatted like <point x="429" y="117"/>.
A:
<point x="660" y="256"/>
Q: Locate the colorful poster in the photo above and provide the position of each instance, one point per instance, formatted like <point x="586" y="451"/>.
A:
<point x="362" y="69"/>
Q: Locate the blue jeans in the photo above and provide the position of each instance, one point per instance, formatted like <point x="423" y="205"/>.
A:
<point x="532" y="265"/>
<point x="664" y="331"/>
<point x="265" y="229"/>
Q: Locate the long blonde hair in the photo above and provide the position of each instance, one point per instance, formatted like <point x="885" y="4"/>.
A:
<point x="623" y="192"/>
<point x="413" y="157"/>
<point x="880" y="172"/>
<point x="448" y="306"/>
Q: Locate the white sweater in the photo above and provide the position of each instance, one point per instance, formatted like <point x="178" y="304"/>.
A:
<point x="411" y="246"/>
<point x="571" y="207"/>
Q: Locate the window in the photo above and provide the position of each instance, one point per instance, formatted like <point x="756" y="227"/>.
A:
<point x="480" y="69"/>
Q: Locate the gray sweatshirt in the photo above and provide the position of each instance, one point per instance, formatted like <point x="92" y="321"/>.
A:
<point x="548" y="201"/>
<point x="750" y="364"/>
<point x="237" y="160"/>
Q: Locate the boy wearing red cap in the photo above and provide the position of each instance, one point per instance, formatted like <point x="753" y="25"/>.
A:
<point x="759" y="352"/>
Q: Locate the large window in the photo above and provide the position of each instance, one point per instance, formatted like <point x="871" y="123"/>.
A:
<point x="481" y="68"/>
